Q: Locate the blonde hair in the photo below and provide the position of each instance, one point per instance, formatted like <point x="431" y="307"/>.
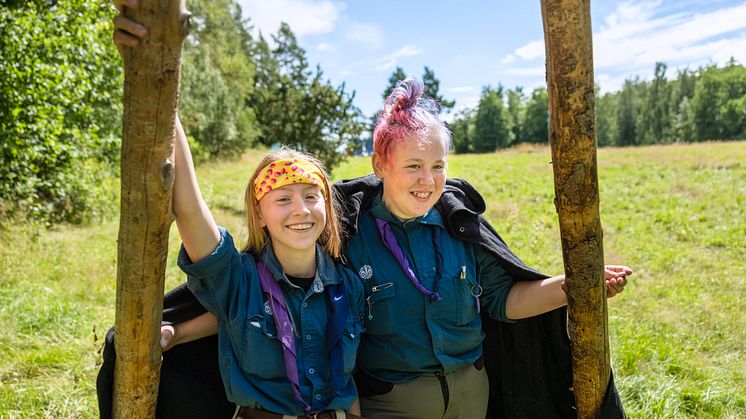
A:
<point x="259" y="237"/>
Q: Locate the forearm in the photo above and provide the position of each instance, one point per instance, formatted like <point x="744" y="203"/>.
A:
<point x="196" y="225"/>
<point x="531" y="298"/>
<point x="196" y="328"/>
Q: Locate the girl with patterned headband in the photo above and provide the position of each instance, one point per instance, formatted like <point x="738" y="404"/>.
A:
<point x="289" y="317"/>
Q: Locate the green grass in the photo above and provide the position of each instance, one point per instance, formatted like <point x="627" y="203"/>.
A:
<point x="675" y="214"/>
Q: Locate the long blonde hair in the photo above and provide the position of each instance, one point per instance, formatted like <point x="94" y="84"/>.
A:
<point x="259" y="237"/>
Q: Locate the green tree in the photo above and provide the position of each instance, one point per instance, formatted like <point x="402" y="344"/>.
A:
<point x="430" y="82"/>
<point x="536" y="124"/>
<point x="627" y="113"/>
<point x="60" y="112"/>
<point x="462" y="131"/>
<point x="718" y="103"/>
<point x="394" y="78"/>
<point x="606" y="119"/>
<point x="432" y="89"/>
<point x="654" y="121"/>
<point x="516" y="114"/>
<point x="491" y="129"/>
<point x="684" y="122"/>
<point x="297" y="107"/>
<point x="217" y="79"/>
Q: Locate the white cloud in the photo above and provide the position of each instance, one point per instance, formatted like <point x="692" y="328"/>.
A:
<point x="388" y="62"/>
<point x="530" y="51"/>
<point x="539" y="70"/>
<point x="326" y="47"/>
<point x="635" y="37"/>
<point x="462" y="89"/>
<point x="508" y="59"/>
<point x="639" y="33"/>
<point x="305" y="17"/>
<point x="368" y="34"/>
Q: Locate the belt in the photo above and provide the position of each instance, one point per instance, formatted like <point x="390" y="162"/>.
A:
<point x="245" y="412"/>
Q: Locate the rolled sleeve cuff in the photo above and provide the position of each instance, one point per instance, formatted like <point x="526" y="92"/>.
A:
<point x="214" y="263"/>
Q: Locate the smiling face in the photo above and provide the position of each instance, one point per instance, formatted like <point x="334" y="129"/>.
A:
<point x="295" y="216"/>
<point x="414" y="175"/>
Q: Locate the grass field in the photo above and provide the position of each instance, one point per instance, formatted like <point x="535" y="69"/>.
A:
<point x="674" y="213"/>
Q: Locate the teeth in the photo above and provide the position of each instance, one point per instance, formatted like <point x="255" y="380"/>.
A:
<point x="421" y="195"/>
<point x="300" y="226"/>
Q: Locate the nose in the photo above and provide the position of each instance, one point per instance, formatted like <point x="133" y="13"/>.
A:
<point x="427" y="178"/>
<point x="300" y="207"/>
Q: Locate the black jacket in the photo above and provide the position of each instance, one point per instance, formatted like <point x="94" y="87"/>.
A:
<point x="528" y="362"/>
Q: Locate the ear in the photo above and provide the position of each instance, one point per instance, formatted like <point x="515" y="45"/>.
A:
<point x="259" y="217"/>
<point x="378" y="164"/>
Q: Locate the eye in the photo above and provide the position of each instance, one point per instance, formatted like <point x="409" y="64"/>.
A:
<point x="282" y="199"/>
<point x="414" y="166"/>
<point x="312" y="196"/>
<point x="439" y="167"/>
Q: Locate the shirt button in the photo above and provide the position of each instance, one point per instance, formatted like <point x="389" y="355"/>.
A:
<point x="305" y="304"/>
<point x="461" y="229"/>
<point x="308" y="337"/>
<point x="311" y="370"/>
<point x="318" y="397"/>
<point x="427" y="276"/>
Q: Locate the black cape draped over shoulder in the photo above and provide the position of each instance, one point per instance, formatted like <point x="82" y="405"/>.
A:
<point x="528" y="362"/>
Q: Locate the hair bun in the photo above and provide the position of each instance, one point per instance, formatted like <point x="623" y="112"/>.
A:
<point x="405" y="94"/>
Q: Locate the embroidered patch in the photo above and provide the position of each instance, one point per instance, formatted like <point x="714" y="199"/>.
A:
<point x="366" y="272"/>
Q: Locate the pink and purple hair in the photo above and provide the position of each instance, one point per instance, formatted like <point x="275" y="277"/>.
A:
<point x="407" y="114"/>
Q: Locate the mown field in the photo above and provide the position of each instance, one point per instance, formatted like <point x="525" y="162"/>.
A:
<point x="674" y="213"/>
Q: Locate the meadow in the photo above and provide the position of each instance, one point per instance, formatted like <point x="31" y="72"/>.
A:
<point x="673" y="213"/>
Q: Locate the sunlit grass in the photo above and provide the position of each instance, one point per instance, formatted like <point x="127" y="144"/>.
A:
<point x="673" y="213"/>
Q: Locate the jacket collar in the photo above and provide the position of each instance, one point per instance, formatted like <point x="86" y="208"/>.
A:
<point x="380" y="210"/>
<point x="459" y="199"/>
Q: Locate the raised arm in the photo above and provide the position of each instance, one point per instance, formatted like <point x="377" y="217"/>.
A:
<point x="195" y="222"/>
<point x="197" y="227"/>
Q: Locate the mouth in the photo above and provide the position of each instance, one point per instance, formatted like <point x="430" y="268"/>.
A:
<point x="300" y="227"/>
<point x="422" y="196"/>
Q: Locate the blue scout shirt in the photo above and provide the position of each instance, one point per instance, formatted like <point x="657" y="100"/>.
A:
<point x="250" y="355"/>
<point x="407" y="333"/>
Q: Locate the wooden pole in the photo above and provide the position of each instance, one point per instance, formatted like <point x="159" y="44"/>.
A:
<point x="151" y="86"/>
<point x="572" y="136"/>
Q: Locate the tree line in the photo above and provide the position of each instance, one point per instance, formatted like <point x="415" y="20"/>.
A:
<point x="61" y="105"/>
<point x="705" y="104"/>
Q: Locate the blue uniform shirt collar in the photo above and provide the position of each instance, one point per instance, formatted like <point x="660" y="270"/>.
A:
<point x="325" y="267"/>
<point x="379" y="210"/>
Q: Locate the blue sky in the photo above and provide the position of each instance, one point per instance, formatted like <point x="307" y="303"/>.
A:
<point x="471" y="44"/>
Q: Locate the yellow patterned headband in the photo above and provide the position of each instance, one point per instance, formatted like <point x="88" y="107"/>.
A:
<point x="288" y="172"/>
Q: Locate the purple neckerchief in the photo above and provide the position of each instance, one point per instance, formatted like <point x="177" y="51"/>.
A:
<point x="390" y="241"/>
<point x="281" y="315"/>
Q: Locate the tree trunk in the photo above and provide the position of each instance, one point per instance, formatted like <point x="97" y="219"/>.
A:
<point x="569" y="51"/>
<point x="151" y="86"/>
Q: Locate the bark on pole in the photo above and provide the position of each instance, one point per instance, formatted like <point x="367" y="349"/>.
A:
<point x="151" y="86"/>
<point x="572" y="136"/>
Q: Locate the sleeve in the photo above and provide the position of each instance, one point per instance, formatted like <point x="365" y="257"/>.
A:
<point x="496" y="284"/>
<point x="221" y="279"/>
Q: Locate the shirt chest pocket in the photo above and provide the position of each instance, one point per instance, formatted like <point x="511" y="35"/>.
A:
<point x="466" y="291"/>
<point x="379" y="308"/>
<point x="259" y="350"/>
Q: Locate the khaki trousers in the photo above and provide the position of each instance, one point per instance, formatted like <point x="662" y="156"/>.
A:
<point x="423" y="397"/>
